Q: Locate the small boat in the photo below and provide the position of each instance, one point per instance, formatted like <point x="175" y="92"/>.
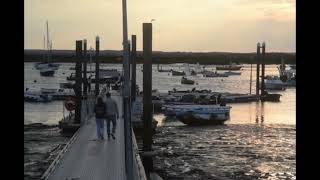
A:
<point x="47" y="71"/>
<point x="287" y="75"/>
<point x="270" y="97"/>
<point x="29" y="97"/>
<point x="186" y="81"/>
<point x="42" y="65"/>
<point x="199" y="114"/>
<point x="213" y="74"/>
<point x="66" y="85"/>
<point x="72" y="77"/>
<point x="230" y="73"/>
<point x="55" y="94"/>
<point x="163" y="70"/>
<point x="292" y="66"/>
<point x="274" y="83"/>
<point x="230" y="67"/>
<point x="106" y="79"/>
<point x="188" y="71"/>
<point x="109" y="72"/>
<point x="177" y="73"/>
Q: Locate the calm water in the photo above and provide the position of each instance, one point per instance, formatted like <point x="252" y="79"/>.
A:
<point x="258" y="142"/>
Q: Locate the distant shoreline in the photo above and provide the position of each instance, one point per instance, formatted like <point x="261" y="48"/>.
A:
<point x="108" y="56"/>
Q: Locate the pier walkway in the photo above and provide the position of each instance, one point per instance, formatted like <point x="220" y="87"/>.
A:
<point x="88" y="158"/>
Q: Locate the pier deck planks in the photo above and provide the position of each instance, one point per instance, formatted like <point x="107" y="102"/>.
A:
<point x="92" y="159"/>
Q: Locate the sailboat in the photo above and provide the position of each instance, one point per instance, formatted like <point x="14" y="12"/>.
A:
<point x="46" y="68"/>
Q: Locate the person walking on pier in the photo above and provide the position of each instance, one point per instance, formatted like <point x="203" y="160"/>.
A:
<point x="100" y="111"/>
<point x="112" y="114"/>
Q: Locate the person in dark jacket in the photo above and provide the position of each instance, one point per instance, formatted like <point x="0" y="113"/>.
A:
<point x="100" y="111"/>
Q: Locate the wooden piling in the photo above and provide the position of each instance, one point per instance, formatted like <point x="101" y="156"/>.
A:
<point x="258" y="70"/>
<point x="250" y="77"/>
<point x="78" y="85"/>
<point x="133" y="70"/>
<point x="97" y="66"/>
<point x="262" y="67"/>
<point x="85" y="80"/>
<point x="130" y="62"/>
<point x="147" y="88"/>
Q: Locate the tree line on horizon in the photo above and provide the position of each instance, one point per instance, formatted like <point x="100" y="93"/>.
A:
<point x="167" y="57"/>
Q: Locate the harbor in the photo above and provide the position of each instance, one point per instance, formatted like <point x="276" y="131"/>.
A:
<point x="222" y="106"/>
<point x="262" y="118"/>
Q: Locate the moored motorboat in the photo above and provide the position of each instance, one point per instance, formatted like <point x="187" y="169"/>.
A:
<point x="42" y="65"/>
<point x="72" y="77"/>
<point x="231" y="73"/>
<point x="186" y="81"/>
<point x="200" y="114"/>
<point x="213" y="74"/>
<point x="47" y="71"/>
<point x="230" y="67"/>
<point x="33" y="97"/>
<point x="274" y="83"/>
<point x="177" y="73"/>
<point x="66" y="85"/>
<point x="270" y="97"/>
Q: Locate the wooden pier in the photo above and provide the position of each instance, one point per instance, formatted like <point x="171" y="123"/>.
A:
<point x="86" y="157"/>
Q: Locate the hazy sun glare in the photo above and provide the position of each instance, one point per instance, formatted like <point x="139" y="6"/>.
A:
<point x="180" y="25"/>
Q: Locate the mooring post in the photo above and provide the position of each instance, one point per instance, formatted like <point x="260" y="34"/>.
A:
<point x="250" y="77"/>
<point x="133" y="70"/>
<point x="78" y="85"/>
<point x="126" y="96"/>
<point x="147" y="93"/>
<point x="97" y="66"/>
<point x="85" y="80"/>
<point x="263" y="67"/>
<point x="130" y="62"/>
<point x="258" y="70"/>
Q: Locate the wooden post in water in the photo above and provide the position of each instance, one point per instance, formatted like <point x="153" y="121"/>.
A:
<point x="258" y="70"/>
<point x="126" y="95"/>
<point x="78" y="82"/>
<point x="130" y="61"/>
<point x="263" y="67"/>
<point x="97" y="66"/>
<point x="85" y="81"/>
<point x="147" y="90"/>
<point x="133" y="70"/>
<point x="250" y="77"/>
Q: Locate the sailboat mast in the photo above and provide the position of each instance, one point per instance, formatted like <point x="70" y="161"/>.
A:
<point x="44" y="48"/>
<point x="44" y="42"/>
<point x="48" y="41"/>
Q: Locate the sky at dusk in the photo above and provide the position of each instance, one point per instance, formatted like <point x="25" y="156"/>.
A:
<point x="180" y="25"/>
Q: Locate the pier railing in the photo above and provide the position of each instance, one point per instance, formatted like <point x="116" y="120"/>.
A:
<point x="137" y="165"/>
